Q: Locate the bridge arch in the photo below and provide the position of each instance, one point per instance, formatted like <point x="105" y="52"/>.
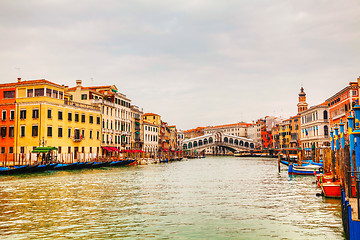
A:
<point x="252" y="145"/>
<point x="211" y="140"/>
<point x="246" y="144"/>
<point x="190" y="145"/>
<point x="241" y="143"/>
<point x="185" y="146"/>
<point x="200" y="142"/>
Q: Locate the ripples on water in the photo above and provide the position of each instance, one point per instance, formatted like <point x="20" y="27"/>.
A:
<point x="212" y="198"/>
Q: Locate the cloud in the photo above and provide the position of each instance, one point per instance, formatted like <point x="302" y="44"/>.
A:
<point x="195" y="63"/>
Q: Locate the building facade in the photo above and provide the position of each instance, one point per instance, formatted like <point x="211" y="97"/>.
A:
<point x="341" y="103"/>
<point x="315" y="127"/>
<point x="137" y="131"/>
<point x="151" y="137"/>
<point x="115" y="112"/>
<point x="45" y="116"/>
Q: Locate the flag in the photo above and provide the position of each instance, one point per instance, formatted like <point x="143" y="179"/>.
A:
<point x="306" y="132"/>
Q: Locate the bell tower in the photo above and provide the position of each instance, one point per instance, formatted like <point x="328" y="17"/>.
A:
<point x="302" y="105"/>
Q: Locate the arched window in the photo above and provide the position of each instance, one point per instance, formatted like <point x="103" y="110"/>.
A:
<point x="226" y="139"/>
<point x="241" y="143"/>
<point x="200" y="142"/>
<point x="185" y="146"/>
<point x="236" y="142"/>
<point x="205" y="141"/>
<point x="231" y="141"/>
<point x="251" y="145"/>
<point x="326" y="130"/>
<point x="190" y="145"/>
<point x="195" y="144"/>
<point x="246" y="144"/>
<point x="325" y="114"/>
<point x="210" y="140"/>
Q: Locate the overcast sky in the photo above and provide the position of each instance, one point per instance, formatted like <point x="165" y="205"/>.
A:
<point x="195" y="63"/>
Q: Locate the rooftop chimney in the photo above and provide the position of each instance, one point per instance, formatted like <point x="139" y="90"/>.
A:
<point x="78" y="83"/>
<point x="19" y="80"/>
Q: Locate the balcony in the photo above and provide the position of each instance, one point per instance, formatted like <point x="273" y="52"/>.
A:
<point x="77" y="139"/>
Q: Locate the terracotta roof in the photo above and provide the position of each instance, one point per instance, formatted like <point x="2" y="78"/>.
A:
<point x="92" y="88"/>
<point x="232" y="125"/>
<point x="151" y="114"/>
<point x="16" y="84"/>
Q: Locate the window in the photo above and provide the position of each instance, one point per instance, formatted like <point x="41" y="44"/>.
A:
<point x="55" y="94"/>
<point x="69" y="132"/>
<point x="48" y="92"/>
<point x="60" y="115"/>
<point x="3" y="131"/>
<point x="35" y="131"/>
<point x="326" y="130"/>
<point x="98" y="120"/>
<point x="82" y="118"/>
<point x="30" y="92"/>
<point x="76" y="117"/>
<point x="22" y="149"/>
<point x="77" y="134"/>
<point x="12" y="114"/>
<point x="59" y="149"/>
<point x="82" y="134"/>
<point x="60" y="132"/>
<point x="83" y="96"/>
<point x="11" y="150"/>
<point x="91" y="134"/>
<point x="35" y="113"/>
<point x="69" y="149"/>
<point x="71" y="97"/>
<point x="11" y="131"/>
<point x="39" y="92"/>
<point x="61" y="94"/>
<point x="3" y="115"/>
<point x="69" y="116"/>
<point x="97" y="135"/>
<point x="2" y="150"/>
<point x="91" y="119"/>
<point x="354" y="93"/>
<point x="22" y="131"/>
<point x="49" y="113"/>
<point x="49" y="131"/>
<point x="9" y="94"/>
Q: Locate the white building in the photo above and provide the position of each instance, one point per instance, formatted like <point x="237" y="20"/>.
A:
<point x="254" y="131"/>
<point x="235" y="129"/>
<point x="151" y="137"/>
<point x="315" y="126"/>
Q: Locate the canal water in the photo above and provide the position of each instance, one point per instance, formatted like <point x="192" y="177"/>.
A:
<point x="211" y="198"/>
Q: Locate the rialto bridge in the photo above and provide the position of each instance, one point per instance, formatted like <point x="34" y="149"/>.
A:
<point x="218" y="142"/>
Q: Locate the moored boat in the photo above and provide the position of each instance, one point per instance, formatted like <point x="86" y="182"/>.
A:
<point x="304" y="170"/>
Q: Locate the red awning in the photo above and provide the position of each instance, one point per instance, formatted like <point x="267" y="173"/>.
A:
<point x="115" y="149"/>
<point x="108" y="149"/>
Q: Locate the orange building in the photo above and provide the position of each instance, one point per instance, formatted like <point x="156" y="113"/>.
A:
<point x="7" y="109"/>
<point x="342" y="102"/>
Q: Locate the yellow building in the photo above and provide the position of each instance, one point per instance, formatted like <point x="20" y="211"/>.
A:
<point x="153" y="118"/>
<point x="284" y="134"/>
<point x="115" y="113"/>
<point x="47" y="117"/>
